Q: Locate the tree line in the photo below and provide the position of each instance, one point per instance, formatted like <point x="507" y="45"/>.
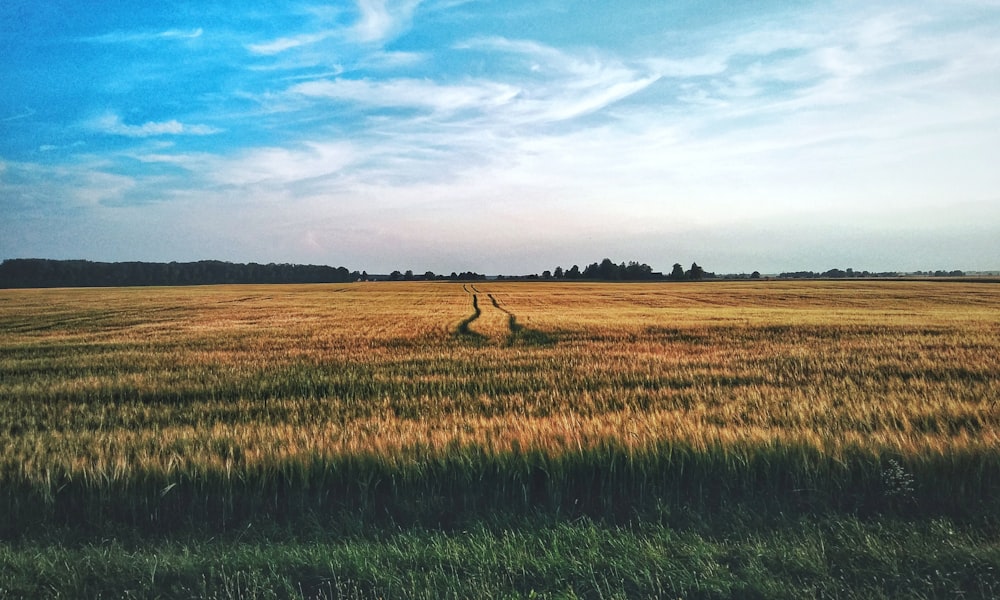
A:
<point x="36" y="272"/>
<point x="852" y="274"/>
<point x="608" y="270"/>
<point x="409" y="275"/>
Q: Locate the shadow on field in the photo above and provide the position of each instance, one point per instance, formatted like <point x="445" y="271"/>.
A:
<point x="519" y="334"/>
<point x="468" y="483"/>
<point x="463" y="329"/>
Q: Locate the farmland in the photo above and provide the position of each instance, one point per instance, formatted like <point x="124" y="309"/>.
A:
<point x="740" y="418"/>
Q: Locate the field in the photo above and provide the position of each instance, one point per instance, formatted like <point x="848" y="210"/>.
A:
<point x="715" y="439"/>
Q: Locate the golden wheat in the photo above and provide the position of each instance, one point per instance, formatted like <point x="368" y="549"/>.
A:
<point x="243" y="382"/>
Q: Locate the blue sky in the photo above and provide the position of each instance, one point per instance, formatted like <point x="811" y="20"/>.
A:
<point x="503" y="137"/>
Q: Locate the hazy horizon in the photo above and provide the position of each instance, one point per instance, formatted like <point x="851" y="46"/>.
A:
<point x="452" y="135"/>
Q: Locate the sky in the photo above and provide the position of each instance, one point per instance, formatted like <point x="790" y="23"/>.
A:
<point x="503" y="137"/>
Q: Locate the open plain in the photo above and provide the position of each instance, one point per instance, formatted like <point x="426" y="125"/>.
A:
<point x="722" y="439"/>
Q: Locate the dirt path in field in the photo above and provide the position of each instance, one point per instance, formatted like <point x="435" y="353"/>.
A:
<point x="463" y="327"/>
<point x="512" y="323"/>
<point x="519" y="332"/>
<point x="491" y="329"/>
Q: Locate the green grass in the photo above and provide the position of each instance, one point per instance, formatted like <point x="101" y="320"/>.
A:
<point x="731" y="555"/>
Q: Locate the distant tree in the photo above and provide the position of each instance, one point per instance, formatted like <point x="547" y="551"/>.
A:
<point x="573" y="273"/>
<point x="429" y="276"/>
<point x="558" y="273"/>
<point x="608" y="270"/>
<point x="395" y="276"/>
<point x="677" y="273"/>
<point x="408" y="276"/>
<point x="547" y="274"/>
<point x="755" y="275"/>
<point x="638" y="272"/>
<point x="695" y="272"/>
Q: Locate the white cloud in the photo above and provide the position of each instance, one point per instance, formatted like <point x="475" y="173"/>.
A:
<point x="381" y="19"/>
<point x="47" y="189"/>
<point x="287" y="43"/>
<point x="130" y="37"/>
<point x="562" y="86"/>
<point x="571" y="87"/>
<point x="112" y="124"/>
<point x="23" y="115"/>
<point x="54" y="147"/>
<point x="413" y="93"/>
<point x="180" y="34"/>
<point x="685" y="68"/>
<point x="393" y="60"/>
<point x="830" y="121"/>
<point x="281" y="166"/>
<point x="191" y="161"/>
<point x="563" y="105"/>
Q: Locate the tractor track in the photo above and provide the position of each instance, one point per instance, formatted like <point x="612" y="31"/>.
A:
<point x="520" y="333"/>
<point x="517" y="334"/>
<point x="463" y="329"/>
<point x="512" y="323"/>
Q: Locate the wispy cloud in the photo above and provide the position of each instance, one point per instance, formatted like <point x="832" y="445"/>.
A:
<point x="410" y="93"/>
<point x="22" y="115"/>
<point x="127" y="37"/>
<point x="179" y="34"/>
<point x="282" y="166"/>
<point x="560" y="86"/>
<point x="569" y="88"/>
<point x="54" y="148"/>
<point x="381" y="19"/>
<point x="41" y="188"/>
<point x="881" y="63"/>
<point x="377" y="21"/>
<point x="112" y="124"/>
<point x="287" y="43"/>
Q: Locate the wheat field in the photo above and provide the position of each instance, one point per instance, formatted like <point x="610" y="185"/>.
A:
<point x="158" y="404"/>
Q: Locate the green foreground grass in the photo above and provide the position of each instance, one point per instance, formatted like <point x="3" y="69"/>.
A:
<point x="730" y="555"/>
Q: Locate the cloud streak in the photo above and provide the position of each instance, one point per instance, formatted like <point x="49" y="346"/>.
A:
<point x="127" y="37"/>
<point x="282" y="44"/>
<point x="410" y="93"/>
<point x="281" y="166"/>
<point x="112" y="124"/>
<point x="17" y="117"/>
<point x="377" y="22"/>
<point x="572" y="88"/>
